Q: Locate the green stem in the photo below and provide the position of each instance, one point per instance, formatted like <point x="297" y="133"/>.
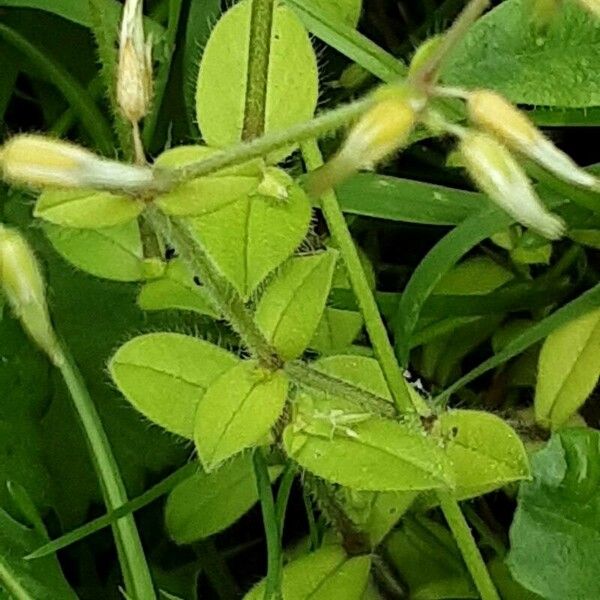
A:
<point x="313" y="530"/>
<point x="76" y="95"/>
<point x="484" y="530"/>
<point x="469" y="550"/>
<point x="267" y="503"/>
<point x="149" y="496"/>
<point x="169" y="178"/>
<point x="136" y="574"/>
<point x="261" y="25"/>
<point x="283" y="494"/>
<point x="405" y="401"/>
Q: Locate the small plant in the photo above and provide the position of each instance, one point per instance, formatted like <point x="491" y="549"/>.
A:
<point x="297" y="379"/>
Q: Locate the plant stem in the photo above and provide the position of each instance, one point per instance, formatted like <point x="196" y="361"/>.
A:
<point x="136" y="573"/>
<point x="169" y="178"/>
<point x="272" y="531"/>
<point x="261" y="25"/>
<point x="405" y="401"/>
<point x="283" y="494"/>
<point x="468" y="547"/>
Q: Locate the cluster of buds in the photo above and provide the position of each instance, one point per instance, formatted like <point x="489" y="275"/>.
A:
<point x="38" y="161"/>
<point x="23" y="286"/>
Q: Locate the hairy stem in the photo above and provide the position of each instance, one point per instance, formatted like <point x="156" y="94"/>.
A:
<point x="136" y="573"/>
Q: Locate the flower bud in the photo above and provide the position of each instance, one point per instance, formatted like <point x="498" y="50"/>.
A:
<point x="38" y="161"/>
<point x="543" y="12"/>
<point x="134" y="79"/>
<point x="23" y="286"/>
<point x="592" y="6"/>
<point x="499" y="176"/>
<point x="383" y="129"/>
<point x="492" y="113"/>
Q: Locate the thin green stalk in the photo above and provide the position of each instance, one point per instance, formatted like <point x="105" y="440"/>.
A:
<point x="405" y="401"/>
<point x="313" y="530"/>
<point x="267" y="503"/>
<point x="136" y="573"/>
<point x="330" y="121"/>
<point x="164" y="70"/>
<point x="261" y="26"/>
<point x="486" y="534"/>
<point x="149" y="496"/>
<point x="468" y="547"/>
<point x="214" y="565"/>
<point x="76" y="95"/>
<point x="283" y="494"/>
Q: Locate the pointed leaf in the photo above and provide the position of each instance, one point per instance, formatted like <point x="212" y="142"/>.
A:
<point x="292" y="305"/>
<point x="237" y="411"/>
<point x="347" y="11"/>
<point x="291" y="86"/>
<point x="86" y="209"/>
<point x="486" y="452"/>
<point x="568" y="370"/>
<point x="336" y="330"/>
<point x="111" y="253"/>
<point x="164" y="376"/>
<point x="251" y="237"/>
<point x="325" y="574"/>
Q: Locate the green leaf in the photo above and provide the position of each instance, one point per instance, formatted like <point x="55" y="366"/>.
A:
<point x="111" y="253"/>
<point x="176" y="290"/>
<point x="509" y="588"/>
<point x="291" y="88"/>
<point x="164" y="376"/>
<point x="346" y="10"/>
<point x="207" y="503"/>
<point x="554" y="535"/>
<point x="395" y="199"/>
<point x="248" y="239"/>
<point x="505" y="51"/>
<point x="427" y="557"/>
<point x="336" y="331"/>
<point x="28" y="580"/>
<point x="291" y="307"/>
<point x="365" y="452"/>
<point x="237" y="411"/>
<point x="86" y="209"/>
<point x="204" y="195"/>
<point x="324" y="574"/>
<point x="569" y="367"/>
<point x="485" y="452"/>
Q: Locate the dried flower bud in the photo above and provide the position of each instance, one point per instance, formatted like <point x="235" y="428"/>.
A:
<point x="38" y="161"/>
<point x="134" y="80"/>
<point x="381" y="131"/>
<point x="498" y="174"/>
<point x="491" y="112"/>
<point x="23" y="287"/>
<point x="592" y="6"/>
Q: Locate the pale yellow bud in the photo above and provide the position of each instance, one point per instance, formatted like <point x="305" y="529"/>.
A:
<point x="134" y="80"/>
<point x="23" y="287"/>
<point x="381" y="131"/>
<point x="494" y="114"/>
<point x="498" y="175"/>
<point x="39" y="161"/>
<point x="592" y="6"/>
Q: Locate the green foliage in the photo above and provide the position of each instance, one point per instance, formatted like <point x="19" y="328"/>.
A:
<point x="291" y="307"/>
<point x="237" y="411"/>
<point x="555" y="526"/>
<point x="158" y="374"/>
<point x="568" y="370"/>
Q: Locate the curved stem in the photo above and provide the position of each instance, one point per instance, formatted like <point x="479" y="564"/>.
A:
<point x="136" y="573"/>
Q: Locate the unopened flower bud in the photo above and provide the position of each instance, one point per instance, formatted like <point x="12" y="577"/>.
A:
<point x="39" y="161"/>
<point x="23" y="286"/>
<point x="134" y="80"/>
<point x="494" y="114"/>
<point x="498" y="175"/>
<point x="381" y="131"/>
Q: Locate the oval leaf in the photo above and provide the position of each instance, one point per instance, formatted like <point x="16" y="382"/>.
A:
<point x="336" y="330"/>
<point x="289" y="311"/>
<point x="86" y="209"/>
<point x="251" y="237"/>
<point x="111" y="253"/>
<point x="291" y="88"/>
<point x="486" y="453"/>
<point x="207" y="503"/>
<point x="568" y="370"/>
<point x="372" y="455"/>
<point x="237" y="411"/>
<point x="164" y="376"/>
<point x="324" y="574"/>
